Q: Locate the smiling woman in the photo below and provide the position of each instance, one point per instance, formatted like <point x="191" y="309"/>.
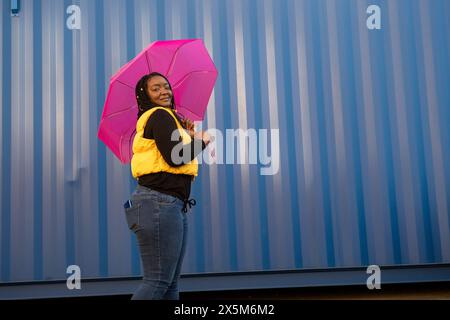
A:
<point x="158" y="207"/>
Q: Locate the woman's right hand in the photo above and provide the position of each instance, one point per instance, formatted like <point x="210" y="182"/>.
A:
<point x="189" y="127"/>
<point x="203" y="135"/>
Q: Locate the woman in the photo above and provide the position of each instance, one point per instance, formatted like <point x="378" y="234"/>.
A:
<point x="164" y="168"/>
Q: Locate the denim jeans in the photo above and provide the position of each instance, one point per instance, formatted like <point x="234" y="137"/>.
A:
<point x="161" y="231"/>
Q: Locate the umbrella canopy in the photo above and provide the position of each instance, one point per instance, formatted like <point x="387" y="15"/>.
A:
<point x="190" y="71"/>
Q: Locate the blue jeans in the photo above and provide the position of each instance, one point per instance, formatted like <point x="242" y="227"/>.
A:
<point x="161" y="231"/>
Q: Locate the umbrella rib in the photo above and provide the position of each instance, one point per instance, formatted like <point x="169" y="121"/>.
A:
<point x="125" y="84"/>
<point x="119" y="112"/>
<point x="191" y="111"/>
<point x="120" y="143"/>
<point x="175" y="55"/>
<point x="149" y="65"/>
<point x="188" y="74"/>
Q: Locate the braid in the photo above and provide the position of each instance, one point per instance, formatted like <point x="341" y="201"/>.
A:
<point x="143" y="101"/>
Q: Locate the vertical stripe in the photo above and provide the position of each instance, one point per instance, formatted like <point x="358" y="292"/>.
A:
<point x="343" y="237"/>
<point x="416" y="132"/>
<point x="17" y="168"/>
<point x="245" y="221"/>
<point x="131" y="53"/>
<point x="302" y="66"/>
<point x="250" y="197"/>
<point x="188" y="30"/>
<point x="225" y="89"/>
<point x="69" y="178"/>
<point x="143" y="29"/>
<point x="75" y="133"/>
<point x="27" y="139"/>
<point x="269" y="93"/>
<point x="201" y="185"/>
<point x="218" y="253"/>
<point x="160" y="14"/>
<point x="324" y="157"/>
<point x="61" y="215"/>
<point x="233" y="118"/>
<point x="345" y="127"/>
<point x="6" y="146"/>
<point x="222" y="220"/>
<point x="37" y="142"/>
<point x="257" y="60"/>
<point x="202" y="220"/>
<point x="116" y="188"/>
<point x="54" y="259"/>
<point x="87" y="223"/>
<point x="47" y="208"/>
<point x="191" y="17"/>
<point x="101" y="156"/>
<point x="442" y="208"/>
<point x="2" y="9"/>
<point x="354" y="210"/>
<point x="308" y="195"/>
<point x="372" y="191"/>
<point x="206" y="183"/>
<point x="441" y="50"/>
<point x="386" y="174"/>
<point x="272" y="75"/>
<point x="291" y="122"/>
<point x="355" y="113"/>
<point x="21" y="192"/>
<point x="175" y="19"/>
<point x="405" y="178"/>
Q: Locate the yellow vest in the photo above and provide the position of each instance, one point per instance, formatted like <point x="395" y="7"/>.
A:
<point x="146" y="156"/>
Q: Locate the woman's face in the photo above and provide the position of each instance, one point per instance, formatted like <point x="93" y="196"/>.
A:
<point x="158" y="90"/>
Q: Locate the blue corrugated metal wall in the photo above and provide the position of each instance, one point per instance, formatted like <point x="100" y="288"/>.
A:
<point x="364" y="134"/>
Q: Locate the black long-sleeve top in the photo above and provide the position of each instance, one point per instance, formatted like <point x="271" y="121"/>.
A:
<point x="159" y="127"/>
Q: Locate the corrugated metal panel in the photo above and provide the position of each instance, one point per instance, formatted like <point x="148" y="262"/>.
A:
<point x="362" y="115"/>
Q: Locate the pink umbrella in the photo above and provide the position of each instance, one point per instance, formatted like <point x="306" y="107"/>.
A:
<point x="191" y="73"/>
